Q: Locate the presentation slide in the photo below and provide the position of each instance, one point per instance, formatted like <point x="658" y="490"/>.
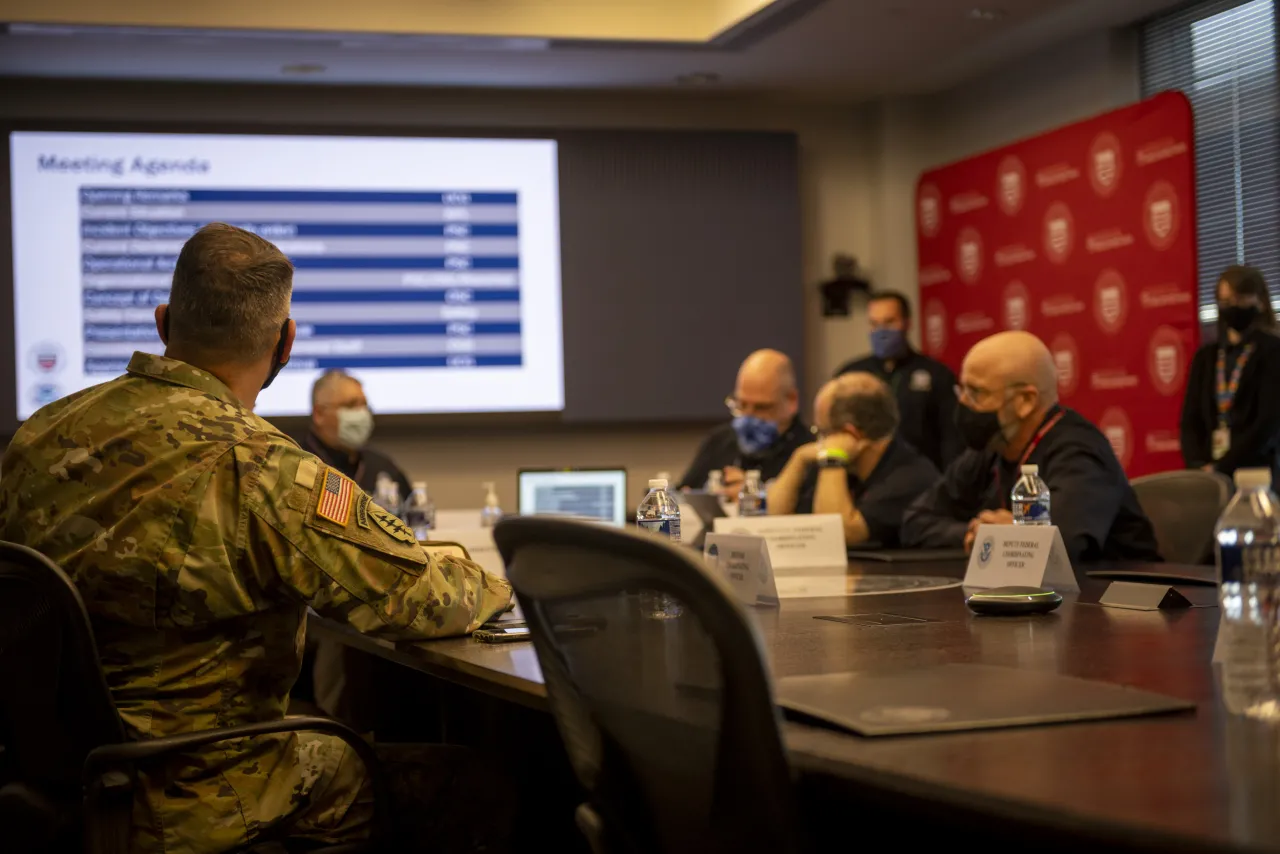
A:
<point x="427" y="268"/>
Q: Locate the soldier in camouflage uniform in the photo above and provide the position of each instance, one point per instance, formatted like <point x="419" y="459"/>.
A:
<point x="198" y="534"/>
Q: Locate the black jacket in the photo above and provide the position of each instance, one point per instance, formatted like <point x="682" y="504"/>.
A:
<point x="925" y="391"/>
<point x="900" y="477"/>
<point x="1254" y="417"/>
<point x="1091" y="501"/>
<point x="720" y="449"/>
<point x="364" y="470"/>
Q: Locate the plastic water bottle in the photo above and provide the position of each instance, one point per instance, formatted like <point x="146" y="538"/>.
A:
<point x="659" y="514"/>
<point x="387" y="493"/>
<point x="1248" y="556"/>
<point x="420" y="511"/>
<point x="751" y="500"/>
<point x="491" y="512"/>
<point x="1030" y="498"/>
<point x="715" y="482"/>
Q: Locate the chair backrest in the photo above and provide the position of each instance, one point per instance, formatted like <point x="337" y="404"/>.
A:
<point x="1183" y="507"/>
<point x="669" y="724"/>
<point x="54" y="702"/>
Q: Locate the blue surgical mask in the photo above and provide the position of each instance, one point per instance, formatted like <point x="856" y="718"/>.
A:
<point x="888" y="343"/>
<point x="754" y="434"/>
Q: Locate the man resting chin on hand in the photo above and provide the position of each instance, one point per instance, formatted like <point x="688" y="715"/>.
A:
<point x="858" y="469"/>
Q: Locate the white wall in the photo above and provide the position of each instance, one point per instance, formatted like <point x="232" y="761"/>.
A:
<point x="836" y="205"/>
<point x="1071" y="81"/>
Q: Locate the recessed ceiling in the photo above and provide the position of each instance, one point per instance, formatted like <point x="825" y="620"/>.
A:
<point x="827" y="50"/>
<point x="689" y="21"/>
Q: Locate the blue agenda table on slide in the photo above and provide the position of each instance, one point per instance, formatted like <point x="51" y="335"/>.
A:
<point x="383" y="279"/>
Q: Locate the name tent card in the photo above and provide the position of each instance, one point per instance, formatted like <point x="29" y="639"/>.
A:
<point x="744" y="563"/>
<point x="795" y="542"/>
<point x="1020" y="555"/>
<point x="1142" y="597"/>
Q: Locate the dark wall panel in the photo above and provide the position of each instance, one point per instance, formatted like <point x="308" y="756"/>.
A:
<point x="681" y="254"/>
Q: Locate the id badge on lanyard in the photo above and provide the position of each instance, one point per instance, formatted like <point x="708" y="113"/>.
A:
<point x="1221" y="442"/>
<point x="1226" y="394"/>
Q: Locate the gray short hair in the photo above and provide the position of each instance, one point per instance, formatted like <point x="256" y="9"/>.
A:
<point x="230" y="294"/>
<point x="326" y="380"/>
<point x="864" y="401"/>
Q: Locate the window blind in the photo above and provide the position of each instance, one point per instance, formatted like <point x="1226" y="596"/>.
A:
<point x="1222" y="54"/>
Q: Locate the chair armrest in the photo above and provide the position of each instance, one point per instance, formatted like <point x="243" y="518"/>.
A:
<point x="111" y="757"/>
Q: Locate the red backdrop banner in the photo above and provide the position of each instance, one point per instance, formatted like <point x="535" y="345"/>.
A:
<point x="1086" y="237"/>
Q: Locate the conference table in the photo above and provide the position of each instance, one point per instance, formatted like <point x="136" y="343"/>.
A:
<point x="1201" y="780"/>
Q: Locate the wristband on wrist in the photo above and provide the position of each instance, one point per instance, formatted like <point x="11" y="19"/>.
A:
<point x="832" y="458"/>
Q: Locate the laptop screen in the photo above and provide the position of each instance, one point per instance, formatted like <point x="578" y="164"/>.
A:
<point x="599" y="494"/>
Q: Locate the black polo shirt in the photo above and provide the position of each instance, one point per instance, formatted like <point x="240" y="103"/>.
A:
<point x="720" y="449"/>
<point x="1254" y="417"/>
<point x="364" y="468"/>
<point x="900" y="477"/>
<point x="925" y="391"/>
<point x="1091" y="501"/>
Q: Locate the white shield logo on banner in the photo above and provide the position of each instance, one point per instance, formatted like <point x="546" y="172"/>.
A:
<point x="929" y="213"/>
<point x="1015" y="312"/>
<point x="1104" y="166"/>
<point x="1109" y="300"/>
<point x="1011" y="188"/>
<point x="1166" y="363"/>
<point x="1066" y="364"/>
<point x="969" y="259"/>
<point x="1059" y="235"/>
<point x="1116" y="436"/>
<point x="935" y="330"/>
<point x="1162" y="217"/>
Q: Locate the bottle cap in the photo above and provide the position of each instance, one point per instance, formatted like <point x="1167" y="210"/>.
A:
<point x="1253" y="478"/>
<point x="753" y="473"/>
<point x="420" y="484"/>
<point x="658" y="483"/>
<point x="1031" y="470"/>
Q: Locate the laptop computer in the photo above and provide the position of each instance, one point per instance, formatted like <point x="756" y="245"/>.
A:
<point x="706" y="506"/>
<point x="592" y="494"/>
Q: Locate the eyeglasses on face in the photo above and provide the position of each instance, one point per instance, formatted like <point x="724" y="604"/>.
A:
<point x="739" y="408"/>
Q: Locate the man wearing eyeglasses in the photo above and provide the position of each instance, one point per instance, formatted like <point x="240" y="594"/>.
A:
<point x="859" y="468"/>
<point x="765" y="429"/>
<point x="1008" y="416"/>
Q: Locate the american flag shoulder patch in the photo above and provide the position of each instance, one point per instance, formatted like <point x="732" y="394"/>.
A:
<point x="335" y="498"/>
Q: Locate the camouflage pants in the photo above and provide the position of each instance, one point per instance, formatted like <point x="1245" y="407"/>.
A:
<point x="442" y="799"/>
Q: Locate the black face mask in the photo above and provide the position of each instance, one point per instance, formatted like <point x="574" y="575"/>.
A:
<point x="977" y="428"/>
<point x="278" y="361"/>
<point x="1239" y="317"/>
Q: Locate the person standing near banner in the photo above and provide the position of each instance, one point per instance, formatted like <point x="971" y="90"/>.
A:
<point x="1231" y="412"/>
<point x="921" y="386"/>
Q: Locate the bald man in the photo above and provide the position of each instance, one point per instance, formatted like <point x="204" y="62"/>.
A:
<point x="765" y="429"/>
<point x="1008" y="416"/>
<point x="859" y="468"/>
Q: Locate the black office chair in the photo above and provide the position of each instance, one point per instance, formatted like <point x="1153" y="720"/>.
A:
<point x="67" y="768"/>
<point x="1183" y="507"/>
<point x="669" y="724"/>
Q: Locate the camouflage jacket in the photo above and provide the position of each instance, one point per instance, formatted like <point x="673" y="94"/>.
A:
<point x="197" y="534"/>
